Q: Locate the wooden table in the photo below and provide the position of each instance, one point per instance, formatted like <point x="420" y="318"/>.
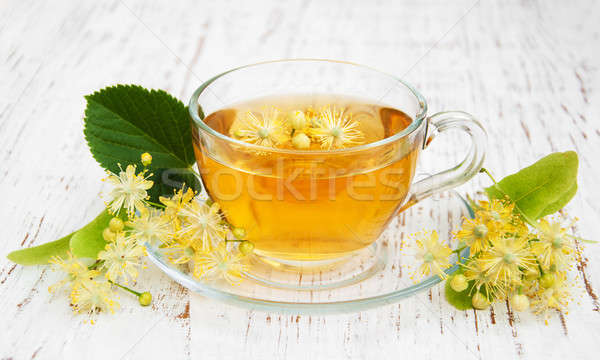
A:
<point x="528" y="70"/>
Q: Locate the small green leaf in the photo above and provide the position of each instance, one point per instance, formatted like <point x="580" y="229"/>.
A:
<point x="88" y="241"/>
<point x="542" y="188"/>
<point x="124" y="121"/>
<point x="41" y="254"/>
<point x="460" y="300"/>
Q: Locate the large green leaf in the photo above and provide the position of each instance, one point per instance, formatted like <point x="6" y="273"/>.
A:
<point x="124" y="121"/>
<point x="41" y="254"/>
<point x="542" y="188"/>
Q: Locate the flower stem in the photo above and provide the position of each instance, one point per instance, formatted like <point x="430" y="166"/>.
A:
<point x="95" y="265"/>
<point x="126" y="288"/>
<point x="459" y="250"/>
<point x="484" y="170"/>
<point x="156" y="204"/>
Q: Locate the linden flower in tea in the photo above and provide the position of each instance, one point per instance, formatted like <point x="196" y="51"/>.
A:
<point x="265" y="129"/>
<point x="330" y="128"/>
<point x="336" y="129"/>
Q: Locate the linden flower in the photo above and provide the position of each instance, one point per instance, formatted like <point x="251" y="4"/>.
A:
<point x="265" y="129"/>
<point x="507" y="258"/>
<point x="556" y="297"/>
<point x="219" y="263"/>
<point x="474" y="234"/>
<point x="335" y="129"/>
<point x="129" y="190"/>
<point x="150" y="227"/>
<point x="93" y="297"/>
<point x="122" y="259"/>
<point x="202" y="222"/>
<point x="435" y="256"/>
<point x="497" y="215"/>
<point x="175" y="203"/>
<point x="554" y="245"/>
<point x="182" y="251"/>
<point x="77" y="272"/>
<point x="474" y="271"/>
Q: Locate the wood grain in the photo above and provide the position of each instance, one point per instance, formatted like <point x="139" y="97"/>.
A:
<point x="527" y="69"/>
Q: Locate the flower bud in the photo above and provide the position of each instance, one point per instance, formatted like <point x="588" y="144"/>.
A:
<point x="108" y="235"/>
<point x="145" y="298"/>
<point x="519" y="302"/>
<point x="146" y="159"/>
<point x="459" y="283"/>
<point x="297" y="120"/>
<point x="239" y="233"/>
<point x="246" y="247"/>
<point x="116" y="225"/>
<point x="532" y="273"/>
<point x="480" y="301"/>
<point x="301" y="141"/>
<point x="547" y="280"/>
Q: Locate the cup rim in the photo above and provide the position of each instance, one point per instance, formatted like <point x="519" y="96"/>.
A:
<point x="194" y="106"/>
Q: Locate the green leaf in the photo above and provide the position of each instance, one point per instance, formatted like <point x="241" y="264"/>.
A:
<point x="88" y="241"/>
<point x="124" y="121"/>
<point x="41" y="254"/>
<point x="460" y="300"/>
<point x="542" y="188"/>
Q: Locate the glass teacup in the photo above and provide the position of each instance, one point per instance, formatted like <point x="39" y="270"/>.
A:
<point x="310" y="206"/>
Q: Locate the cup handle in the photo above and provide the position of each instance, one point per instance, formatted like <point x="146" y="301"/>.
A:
<point x="462" y="172"/>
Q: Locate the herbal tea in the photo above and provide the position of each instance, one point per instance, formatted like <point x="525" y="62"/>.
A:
<point x="304" y="193"/>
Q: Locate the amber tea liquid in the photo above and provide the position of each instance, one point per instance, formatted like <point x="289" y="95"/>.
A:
<point x="300" y="206"/>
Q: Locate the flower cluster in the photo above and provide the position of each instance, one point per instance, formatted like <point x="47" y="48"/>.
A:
<point x="329" y="128"/>
<point x="191" y="231"/>
<point x="509" y="259"/>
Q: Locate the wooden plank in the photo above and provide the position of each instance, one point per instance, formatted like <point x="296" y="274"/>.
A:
<point x="527" y="70"/>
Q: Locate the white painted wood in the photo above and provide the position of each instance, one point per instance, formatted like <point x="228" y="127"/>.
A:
<point x="527" y="69"/>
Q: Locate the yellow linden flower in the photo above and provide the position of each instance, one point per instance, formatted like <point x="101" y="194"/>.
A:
<point x="77" y="271"/>
<point x="554" y="245"/>
<point x="556" y="297"/>
<point x="129" y="190"/>
<point x="122" y="259"/>
<point x="435" y="256"/>
<point x="175" y="203"/>
<point x="497" y="215"/>
<point x="336" y="130"/>
<point x="182" y="251"/>
<point x="474" y="271"/>
<point x="507" y="258"/>
<point x="267" y="128"/>
<point x="150" y="227"/>
<point x="202" y="222"/>
<point x="219" y="263"/>
<point x="93" y="297"/>
<point x="474" y="234"/>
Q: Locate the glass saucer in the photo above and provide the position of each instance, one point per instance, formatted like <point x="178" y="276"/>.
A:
<point x="377" y="275"/>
